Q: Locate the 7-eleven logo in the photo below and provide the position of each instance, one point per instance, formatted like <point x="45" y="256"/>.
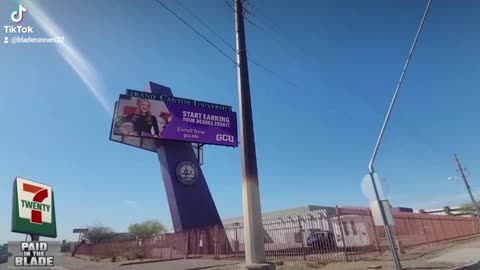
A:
<point x="34" y="201"/>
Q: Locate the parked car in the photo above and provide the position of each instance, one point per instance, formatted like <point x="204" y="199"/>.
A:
<point x="323" y="240"/>
<point x="4" y="256"/>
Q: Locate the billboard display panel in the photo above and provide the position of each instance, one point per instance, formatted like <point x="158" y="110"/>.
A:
<point x="148" y="143"/>
<point x="141" y="115"/>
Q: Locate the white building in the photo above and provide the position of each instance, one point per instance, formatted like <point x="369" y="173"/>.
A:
<point x="290" y="228"/>
<point x="458" y="211"/>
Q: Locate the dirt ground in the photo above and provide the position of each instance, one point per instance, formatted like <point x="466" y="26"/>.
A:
<point x="451" y="255"/>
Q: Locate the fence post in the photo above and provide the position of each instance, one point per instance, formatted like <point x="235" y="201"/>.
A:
<point x="162" y="244"/>
<point x="341" y="231"/>
<point x="394" y="227"/>
<point x="443" y="230"/>
<point x="187" y="244"/>
<point x="456" y="229"/>
<point x="227" y="247"/>
<point x="172" y="246"/>
<point x="409" y="226"/>
<point x="301" y="239"/>
<point x="146" y="248"/>
<point x="424" y="231"/>
<point x="201" y="244"/>
<point x="236" y="245"/>
<point x="216" y="242"/>
<point x="433" y="227"/>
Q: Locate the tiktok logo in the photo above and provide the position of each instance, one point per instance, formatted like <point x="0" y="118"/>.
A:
<point x="17" y="15"/>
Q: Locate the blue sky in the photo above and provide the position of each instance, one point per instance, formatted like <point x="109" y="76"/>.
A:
<point x="316" y="122"/>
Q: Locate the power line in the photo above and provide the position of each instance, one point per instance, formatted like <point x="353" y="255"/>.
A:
<point x="197" y="32"/>
<point x="263" y="19"/>
<point x="272" y="72"/>
<point x="250" y="11"/>
<point x="233" y="9"/>
<point x="265" y="30"/>
<point x="276" y="34"/>
<point x="229" y="45"/>
<point x="256" y="63"/>
<point x="245" y="17"/>
<point x="271" y="26"/>
<point x="278" y="75"/>
<point x="411" y="130"/>
<point x="228" y="4"/>
<point x="206" y="25"/>
<point x="266" y="69"/>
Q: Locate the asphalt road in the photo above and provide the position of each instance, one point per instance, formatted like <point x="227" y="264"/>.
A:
<point x="465" y="253"/>
<point x="451" y="257"/>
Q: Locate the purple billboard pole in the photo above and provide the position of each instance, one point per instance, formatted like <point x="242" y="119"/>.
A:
<point x="189" y="198"/>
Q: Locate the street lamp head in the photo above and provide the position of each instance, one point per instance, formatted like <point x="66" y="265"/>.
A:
<point x="451" y="177"/>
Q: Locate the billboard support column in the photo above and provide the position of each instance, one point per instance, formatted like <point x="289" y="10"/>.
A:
<point x="35" y="237"/>
<point x="254" y="235"/>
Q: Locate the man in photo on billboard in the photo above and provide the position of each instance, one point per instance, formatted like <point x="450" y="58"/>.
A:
<point x="142" y="120"/>
<point x="165" y="118"/>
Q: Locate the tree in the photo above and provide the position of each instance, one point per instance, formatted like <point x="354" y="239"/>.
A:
<point x="95" y="235"/>
<point x="4" y="247"/>
<point x="99" y="233"/>
<point x="468" y="208"/>
<point x="146" y="229"/>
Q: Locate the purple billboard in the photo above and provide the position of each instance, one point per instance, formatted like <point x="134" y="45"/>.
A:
<point x="147" y="115"/>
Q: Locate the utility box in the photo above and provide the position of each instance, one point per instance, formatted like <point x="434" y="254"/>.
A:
<point x="377" y="214"/>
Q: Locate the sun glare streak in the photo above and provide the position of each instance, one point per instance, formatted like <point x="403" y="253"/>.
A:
<point x="71" y="55"/>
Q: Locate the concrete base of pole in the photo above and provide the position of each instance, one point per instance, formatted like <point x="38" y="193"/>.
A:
<point x="258" y="266"/>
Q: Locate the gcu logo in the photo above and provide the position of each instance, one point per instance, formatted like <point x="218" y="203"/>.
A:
<point x="17" y="15"/>
<point x="225" y="138"/>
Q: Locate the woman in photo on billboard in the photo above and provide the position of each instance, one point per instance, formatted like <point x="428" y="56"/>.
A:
<point x="142" y="121"/>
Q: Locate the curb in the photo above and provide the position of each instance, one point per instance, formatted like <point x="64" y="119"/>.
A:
<point x="152" y="261"/>
<point x="80" y="258"/>
<point x="472" y="266"/>
<point x="213" y="266"/>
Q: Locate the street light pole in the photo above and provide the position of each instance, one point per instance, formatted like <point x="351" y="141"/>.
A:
<point x="371" y="167"/>
<point x="474" y="202"/>
<point x="388" y="230"/>
<point x="253" y="227"/>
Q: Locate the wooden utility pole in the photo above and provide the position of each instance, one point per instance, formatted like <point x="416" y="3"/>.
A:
<point x="474" y="202"/>
<point x="252" y="213"/>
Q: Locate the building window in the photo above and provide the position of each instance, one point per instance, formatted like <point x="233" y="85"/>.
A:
<point x="354" y="229"/>
<point x="345" y="228"/>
